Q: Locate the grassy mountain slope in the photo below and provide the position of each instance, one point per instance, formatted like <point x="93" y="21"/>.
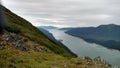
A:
<point x="24" y="46"/>
<point x="24" y="28"/>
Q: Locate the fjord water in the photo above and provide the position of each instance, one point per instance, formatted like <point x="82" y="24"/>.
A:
<point x="82" y="48"/>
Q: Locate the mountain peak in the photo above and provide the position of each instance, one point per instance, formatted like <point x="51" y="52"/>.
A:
<point x="109" y="25"/>
<point x="112" y="25"/>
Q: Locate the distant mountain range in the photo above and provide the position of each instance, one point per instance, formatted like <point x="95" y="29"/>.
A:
<point x="47" y="27"/>
<point x="105" y="35"/>
<point x="66" y="29"/>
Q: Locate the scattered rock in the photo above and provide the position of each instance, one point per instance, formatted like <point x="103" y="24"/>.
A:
<point x="44" y="49"/>
<point x="87" y="58"/>
<point x="15" y="40"/>
<point x="38" y="49"/>
<point x="21" y="47"/>
<point x="35" y="47"/>
<point x="97" y="58"/>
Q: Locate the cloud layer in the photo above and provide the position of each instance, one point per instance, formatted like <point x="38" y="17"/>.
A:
<point x="67" y="13"/>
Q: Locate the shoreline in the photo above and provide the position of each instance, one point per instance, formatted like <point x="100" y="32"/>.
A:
<point x="101" y="43"/>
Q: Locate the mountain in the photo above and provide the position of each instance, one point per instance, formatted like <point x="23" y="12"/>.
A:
<point x="46" y="33"/>
<point x="24" y="46"/>
<point x="47" y="27"/>
<point x="66" y="29"/>
<point x="105" y="35"/>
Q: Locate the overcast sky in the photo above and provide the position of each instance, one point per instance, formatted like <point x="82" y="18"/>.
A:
<point x="67" y="13"/>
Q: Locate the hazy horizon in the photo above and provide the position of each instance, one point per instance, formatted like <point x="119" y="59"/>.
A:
<point x="66" y="13"/>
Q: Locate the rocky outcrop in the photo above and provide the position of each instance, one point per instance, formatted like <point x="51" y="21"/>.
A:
<point x="20" y="43"/>
<point x="13" y="40"/>
<point x="39" y="49"/>
<point x="97" y="62"/>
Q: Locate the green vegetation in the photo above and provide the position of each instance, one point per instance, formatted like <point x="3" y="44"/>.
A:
<point x="24" y="28"/>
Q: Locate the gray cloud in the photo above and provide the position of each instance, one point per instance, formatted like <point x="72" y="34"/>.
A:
<point x="67" y="13"/>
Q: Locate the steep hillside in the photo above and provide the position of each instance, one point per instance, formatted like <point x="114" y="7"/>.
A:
<point x="106" y="35"/>
<point x="24" y="28"/>
<point x="24" y="46"/>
